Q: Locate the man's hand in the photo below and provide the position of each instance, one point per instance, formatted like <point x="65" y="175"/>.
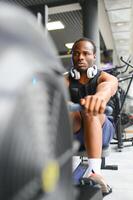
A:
<point x="94" y="104"/>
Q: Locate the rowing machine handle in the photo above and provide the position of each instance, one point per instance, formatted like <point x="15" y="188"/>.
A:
<point x="74" y="107"/>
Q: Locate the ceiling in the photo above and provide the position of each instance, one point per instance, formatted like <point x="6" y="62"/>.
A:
<point x="120" y="15"/>
<point x="114" y="24"/>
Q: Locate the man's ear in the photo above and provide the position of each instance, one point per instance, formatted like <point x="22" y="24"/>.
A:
<point x="95" y="56"/>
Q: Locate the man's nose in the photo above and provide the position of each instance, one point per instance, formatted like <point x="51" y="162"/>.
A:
<point x="81" y="56"/>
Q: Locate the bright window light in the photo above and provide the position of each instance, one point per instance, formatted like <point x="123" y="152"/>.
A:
<point x="69" y="45"/>
<point x="55" y="25"/>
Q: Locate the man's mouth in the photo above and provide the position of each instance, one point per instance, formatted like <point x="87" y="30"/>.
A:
<point x="79" y="63"/>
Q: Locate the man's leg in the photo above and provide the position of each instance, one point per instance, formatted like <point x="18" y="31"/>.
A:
<point x="92" y="125"/>
<point x="97" y="132"/>
<point x="76" y="121"/>
<point x="94" y="136"/>
<point x="91" y="136"/>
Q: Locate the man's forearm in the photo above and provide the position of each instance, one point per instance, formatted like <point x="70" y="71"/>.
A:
<point x="107" y="90"/>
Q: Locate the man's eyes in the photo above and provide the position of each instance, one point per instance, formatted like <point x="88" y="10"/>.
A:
<point x="87" y="53"/>
<point x="84" y="53"/>
<point x="76" y="53"/>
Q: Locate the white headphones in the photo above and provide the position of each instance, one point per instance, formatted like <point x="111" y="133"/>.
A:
<point x="91" y="72"/>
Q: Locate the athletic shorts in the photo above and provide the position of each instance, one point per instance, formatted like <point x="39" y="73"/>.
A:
<point x="108" y="133"/>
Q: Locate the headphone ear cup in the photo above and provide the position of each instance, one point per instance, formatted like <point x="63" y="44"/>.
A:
<point x="91" y="71"/>
<point x="75" y="74"/>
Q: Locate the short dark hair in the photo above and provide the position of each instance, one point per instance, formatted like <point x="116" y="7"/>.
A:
<point x="85" y="39"/>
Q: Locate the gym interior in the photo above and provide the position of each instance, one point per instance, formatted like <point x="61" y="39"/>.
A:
<point x="39" y="158"/>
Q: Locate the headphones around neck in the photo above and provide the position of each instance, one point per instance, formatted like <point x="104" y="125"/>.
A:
<point x="91" y="72"/>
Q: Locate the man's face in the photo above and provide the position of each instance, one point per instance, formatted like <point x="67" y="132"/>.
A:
<point x="83" y="56"/>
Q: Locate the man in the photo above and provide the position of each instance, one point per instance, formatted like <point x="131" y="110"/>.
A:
<point x="93" y="89"/>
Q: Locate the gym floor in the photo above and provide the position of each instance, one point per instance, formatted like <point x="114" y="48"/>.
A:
<point x="120" y="180"/>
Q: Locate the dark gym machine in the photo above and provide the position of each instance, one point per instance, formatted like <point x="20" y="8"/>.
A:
<point x="122" y="119"/>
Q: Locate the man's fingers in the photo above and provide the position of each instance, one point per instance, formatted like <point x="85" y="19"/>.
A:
<point x="102" y="107"/>
<point x="82" y="102"/>
<point x="86" y="102"/>
<point x="97" y="106"/>
<point x="93" y="104"/>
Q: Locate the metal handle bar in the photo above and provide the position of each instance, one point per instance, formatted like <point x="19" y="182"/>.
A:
<point x="127" y="63"/>
<point x="124" y="78"/>
<point x="131" y="72"/>
<point x="122" y="66"/>
<point x="74" y="107"/>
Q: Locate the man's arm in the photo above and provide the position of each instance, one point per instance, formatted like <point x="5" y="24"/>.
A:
<point x="107" y="87"/>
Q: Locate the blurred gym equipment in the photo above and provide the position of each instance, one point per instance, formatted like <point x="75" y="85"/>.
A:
<point x="35" y="128"/>
<point x="122" y="120"/>
<point x="35" y="131"/>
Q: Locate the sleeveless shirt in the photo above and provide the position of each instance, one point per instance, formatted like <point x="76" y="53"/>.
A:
<point x="78" y="90"/>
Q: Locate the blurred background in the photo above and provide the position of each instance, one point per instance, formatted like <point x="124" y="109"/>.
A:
<point x="107" y="22"/>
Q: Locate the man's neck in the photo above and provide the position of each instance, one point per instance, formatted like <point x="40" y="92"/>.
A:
<point x="84" y="79"/>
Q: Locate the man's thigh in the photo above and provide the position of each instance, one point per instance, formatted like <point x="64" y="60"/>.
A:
<point x="108" y="133"/>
